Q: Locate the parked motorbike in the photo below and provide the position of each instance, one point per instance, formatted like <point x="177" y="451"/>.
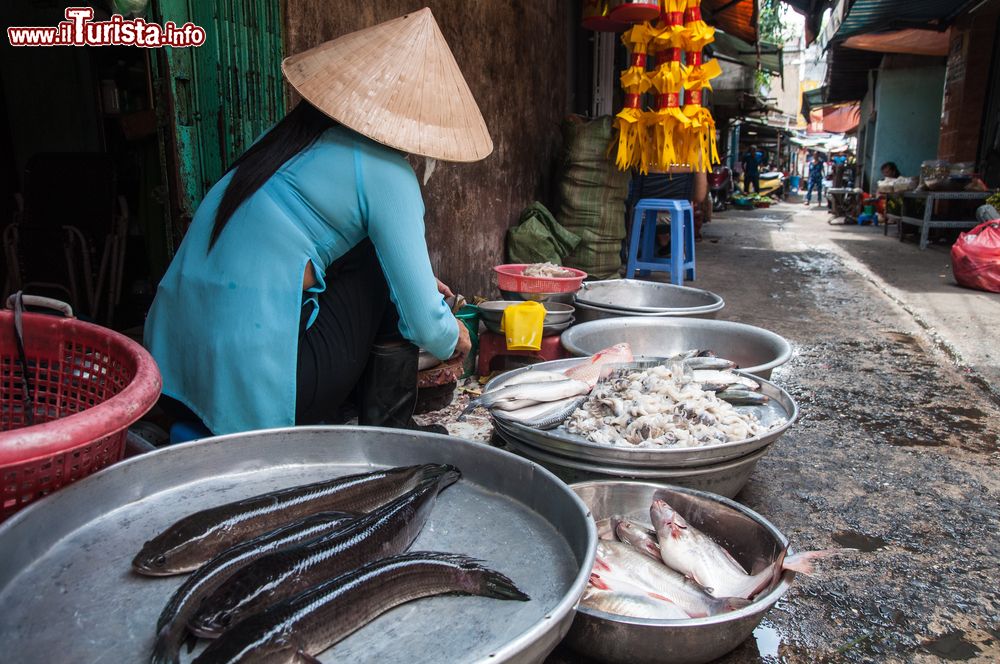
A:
<point x="720" y="187"/>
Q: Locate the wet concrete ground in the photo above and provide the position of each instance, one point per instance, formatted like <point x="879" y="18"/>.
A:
<point x="895" y="454"/>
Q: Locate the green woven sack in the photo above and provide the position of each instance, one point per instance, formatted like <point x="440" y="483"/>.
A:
<point x="592" y="193"/>
<point x="539" y="238"/>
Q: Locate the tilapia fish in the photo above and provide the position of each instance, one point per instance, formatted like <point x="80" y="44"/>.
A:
<point x="691" y="552"/>
<point x="620" y="562"/>
<point x="196" y="539"/>
<point x="172" y="624"/>
<point x="590" y="370"/>
<point x="297" y="629"/>
<point x="387" y="531"/>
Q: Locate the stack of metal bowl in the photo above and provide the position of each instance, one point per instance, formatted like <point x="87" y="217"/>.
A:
<point x="558" y="316"/>
<point x="753" y="349"/>
<point x="750" y="538"/>
<point x="723" y="468"/>
<point x="630" y="297"/>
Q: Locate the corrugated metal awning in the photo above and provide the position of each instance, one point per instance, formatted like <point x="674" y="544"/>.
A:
<point x="857" y="17"/>
<point x="735" y="48"/>
<point x="912" y="41"/>
<point x="737" y="17"/>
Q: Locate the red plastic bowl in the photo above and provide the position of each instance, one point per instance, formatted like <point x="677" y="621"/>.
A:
<point x="510" y="278"/>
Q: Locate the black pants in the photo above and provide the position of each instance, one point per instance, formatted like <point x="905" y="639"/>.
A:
<point x="354" y="312"/>
<point x="751" y="179"/>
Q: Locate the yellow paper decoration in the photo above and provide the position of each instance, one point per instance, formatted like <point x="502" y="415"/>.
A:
<point x="665" y="123"/>
<point x="697" y="33"/>
<point x="634" y="82"/>
<point x="699" y="146"/>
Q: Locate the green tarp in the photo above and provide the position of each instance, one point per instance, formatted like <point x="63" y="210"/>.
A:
<point x="538" y="238"/>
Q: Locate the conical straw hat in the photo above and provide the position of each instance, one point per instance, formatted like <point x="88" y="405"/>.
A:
<point x="397" y="83"/>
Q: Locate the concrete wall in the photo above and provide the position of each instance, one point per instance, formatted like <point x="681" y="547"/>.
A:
<point x="908" y="113"/>
<point x="515" y="57"/>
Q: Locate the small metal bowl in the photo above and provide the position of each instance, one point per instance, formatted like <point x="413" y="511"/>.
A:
<point x="638" y="297"/>
<point x="752" y="540"/>
<point x="548" y="329"/>
<point x="589" y="312"/>
<point x="555" y="312"/>
<point x="562" y="298"/>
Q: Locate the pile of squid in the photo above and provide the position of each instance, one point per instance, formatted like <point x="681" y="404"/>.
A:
<point x="669" y="406"/>
<point x="282" y="576"/>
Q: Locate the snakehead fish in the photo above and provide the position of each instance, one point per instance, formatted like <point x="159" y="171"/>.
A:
<point x="199" y="537"/>
<point x="387" y="531"/>
<point x="172" y="625"/>
<point x="297" y="629"/>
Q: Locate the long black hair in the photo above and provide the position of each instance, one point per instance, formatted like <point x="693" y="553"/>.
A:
<point x="292" y="135"/>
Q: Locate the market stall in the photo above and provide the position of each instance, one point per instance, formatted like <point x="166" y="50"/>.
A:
<point x="621" y="415"/>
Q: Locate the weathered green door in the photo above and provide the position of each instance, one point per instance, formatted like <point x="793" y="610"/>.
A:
<point x="226" y="92"/>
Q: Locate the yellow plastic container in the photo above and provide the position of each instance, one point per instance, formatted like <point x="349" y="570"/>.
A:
<point x="522" y="325"/>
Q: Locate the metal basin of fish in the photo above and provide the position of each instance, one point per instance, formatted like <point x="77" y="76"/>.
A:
<point x="561" y="443"/>
<point x="634" y="297"/>
<point x="67" y="587"/>
<point x="753" y="541"/>
<point x="726" y="479"/>
<point x="753" y="349"/>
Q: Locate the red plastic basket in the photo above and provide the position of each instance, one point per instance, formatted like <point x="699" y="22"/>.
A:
<point x="89" y="385"/>
<point x="510" y="278"/>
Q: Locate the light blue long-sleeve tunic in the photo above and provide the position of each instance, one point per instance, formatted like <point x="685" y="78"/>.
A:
<point x="224" y="324"/>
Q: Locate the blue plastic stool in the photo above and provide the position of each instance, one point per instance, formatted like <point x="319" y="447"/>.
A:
<point x="642" y="256"/>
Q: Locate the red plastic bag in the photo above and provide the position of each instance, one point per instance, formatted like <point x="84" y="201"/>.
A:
<point x="975" y="257"/>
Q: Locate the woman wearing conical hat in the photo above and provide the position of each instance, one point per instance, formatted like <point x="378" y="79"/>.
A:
<point x="304" y="276"/>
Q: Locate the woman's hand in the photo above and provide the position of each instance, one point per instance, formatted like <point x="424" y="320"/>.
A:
<point x="464" y="345"/>
<point x="444" y="290"/>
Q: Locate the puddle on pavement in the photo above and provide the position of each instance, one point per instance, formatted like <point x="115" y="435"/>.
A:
<point x="952" y="646"/>
<point x="768" y="640"/>
<point x="855" y="540"/>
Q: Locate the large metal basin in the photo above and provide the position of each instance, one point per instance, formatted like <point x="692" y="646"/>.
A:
<point x="634" y="296"/>
<point x="753" y="349"/>
<point x="752" y="540"/>
<point x="69" y="595"/>
<point x="726" y="479"/>
<point x="570" y="446"/>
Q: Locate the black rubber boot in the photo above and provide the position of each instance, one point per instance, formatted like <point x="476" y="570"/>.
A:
<point x="387" y="391"/>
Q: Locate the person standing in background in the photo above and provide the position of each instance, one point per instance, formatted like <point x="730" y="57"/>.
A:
<point x="816" y="173"/>
<point x="751" y="171"/>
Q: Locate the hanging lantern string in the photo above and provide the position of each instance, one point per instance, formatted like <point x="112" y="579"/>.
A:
<point x="665" y="123"/>
<point x="634" y="82"/>
<point x="700" y="149"/>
